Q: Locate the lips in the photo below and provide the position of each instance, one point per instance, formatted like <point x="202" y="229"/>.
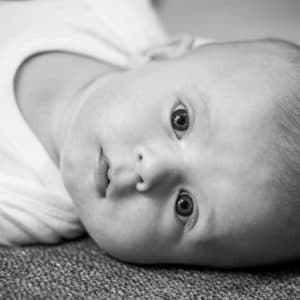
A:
<point x="102" y="180"/>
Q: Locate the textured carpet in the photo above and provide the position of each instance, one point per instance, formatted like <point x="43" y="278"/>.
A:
<point x="79" y="270"/>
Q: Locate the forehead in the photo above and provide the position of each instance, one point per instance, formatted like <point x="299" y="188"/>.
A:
<point x="215" y="66"/>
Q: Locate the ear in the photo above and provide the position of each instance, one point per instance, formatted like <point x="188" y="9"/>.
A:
<point x="172" y="49"/>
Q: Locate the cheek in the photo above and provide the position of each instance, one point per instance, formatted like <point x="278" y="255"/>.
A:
<point x="130" y="229"/>
<point x="129" y="119"/>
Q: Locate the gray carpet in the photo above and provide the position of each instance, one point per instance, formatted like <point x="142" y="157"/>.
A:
<point x="79" y="270"/>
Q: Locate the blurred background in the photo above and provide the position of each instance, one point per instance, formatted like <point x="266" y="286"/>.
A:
<point x="233" y="19"/>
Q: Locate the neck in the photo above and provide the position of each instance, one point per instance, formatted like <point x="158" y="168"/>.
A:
<point x="49" y="91"/>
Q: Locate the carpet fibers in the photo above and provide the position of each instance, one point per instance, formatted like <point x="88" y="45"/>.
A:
<point x="79" y="270"/>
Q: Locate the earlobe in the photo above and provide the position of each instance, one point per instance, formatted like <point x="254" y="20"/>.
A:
<point x="173" y="48"/>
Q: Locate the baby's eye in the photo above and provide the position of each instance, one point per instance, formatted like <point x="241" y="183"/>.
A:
<point x="180" y="119"/>
<point x="184" y="205"/>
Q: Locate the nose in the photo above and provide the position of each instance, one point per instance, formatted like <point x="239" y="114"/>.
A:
<point x="123" y="179"/>
<point x="153" y="169"/>
<point x="156" y="167"/>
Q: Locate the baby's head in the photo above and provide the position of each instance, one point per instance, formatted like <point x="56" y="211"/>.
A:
<point x="203" y="158"/>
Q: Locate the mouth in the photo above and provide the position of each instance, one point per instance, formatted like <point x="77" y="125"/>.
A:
<point x="102" y="178"/>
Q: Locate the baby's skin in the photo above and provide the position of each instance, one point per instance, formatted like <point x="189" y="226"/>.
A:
<point x="172" y="162"/>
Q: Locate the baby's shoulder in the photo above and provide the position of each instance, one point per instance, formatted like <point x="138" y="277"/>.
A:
<point x="45" y="77"/>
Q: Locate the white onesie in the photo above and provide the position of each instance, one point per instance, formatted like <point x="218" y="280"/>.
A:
<point x="34" y="205"/>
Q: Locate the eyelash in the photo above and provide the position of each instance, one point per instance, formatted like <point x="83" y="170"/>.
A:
<point x="180" y="106"/>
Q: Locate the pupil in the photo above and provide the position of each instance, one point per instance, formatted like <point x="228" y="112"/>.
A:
<point x="184" y="205"/>
<point x="180" y="119"/>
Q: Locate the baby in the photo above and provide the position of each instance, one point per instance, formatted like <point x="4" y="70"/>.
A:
<point x="192" y="160"/>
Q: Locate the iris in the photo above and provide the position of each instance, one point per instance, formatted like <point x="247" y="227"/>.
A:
<point x="180" y="119"/>
<point x="184" y="204"/>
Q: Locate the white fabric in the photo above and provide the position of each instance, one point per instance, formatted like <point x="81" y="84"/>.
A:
<point x="34" y="205"/>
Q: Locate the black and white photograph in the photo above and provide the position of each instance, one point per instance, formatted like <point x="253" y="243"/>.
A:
<point x="150" y="149"/>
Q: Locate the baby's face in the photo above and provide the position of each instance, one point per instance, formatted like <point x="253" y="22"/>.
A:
<point x="188" y="148"/>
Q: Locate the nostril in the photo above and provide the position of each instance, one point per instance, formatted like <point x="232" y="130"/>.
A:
<point x="141" y="180"/>
<point x="140" y="157"/>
